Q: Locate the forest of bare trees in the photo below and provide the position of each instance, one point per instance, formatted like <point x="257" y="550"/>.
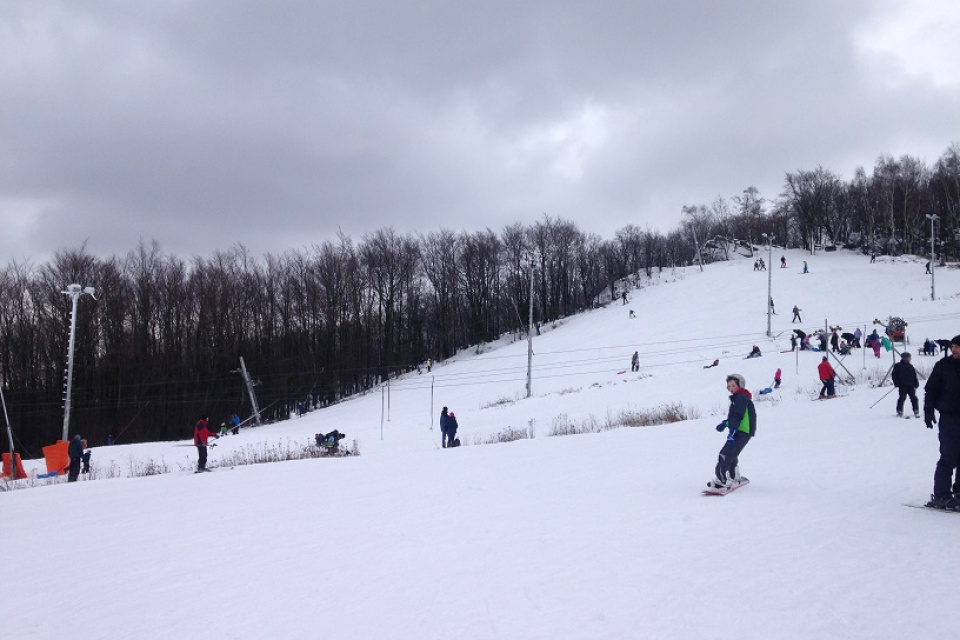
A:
<point x="162" y="341"/>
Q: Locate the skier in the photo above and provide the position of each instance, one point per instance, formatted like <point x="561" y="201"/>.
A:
<point x="783" y="262"/>
<point x="772" y="309"/>
<point x="235" y="424"/>
<point x="905" y="380"/>
<point x="805" y="270"/>
<point x="201" y="434"/>
<point x="827" y="376"/>
<point x="624" y="298"/>
<point x="796" y="315"/>
<point x="75" y="451"/>
<point x="635" y="361"/>
<point x="942" y="393"/>
<point x="741" y="423"/>
<point x="793" y="342"/>
<point x="85" y="458"/>
<point x="928" y="268"/>
<point x="777" y="379"/>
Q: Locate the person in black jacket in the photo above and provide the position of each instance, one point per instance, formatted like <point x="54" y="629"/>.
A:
<point x="942" y="393"/>
<point x="905" y="380"/>
<point x="447" y="429"/>
<point x="75" y="451"/>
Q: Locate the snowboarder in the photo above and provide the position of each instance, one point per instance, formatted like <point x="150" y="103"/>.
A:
<point x="796" y="315"/>
<point x="201" y="435"/>
<point x="827" y="377"/>
<point x="942" y="393"/>
<point x="75" y="451"/>
<point x="741" y="424"/>
<point x="905" y="380"/>
<point x="635" y="361"/>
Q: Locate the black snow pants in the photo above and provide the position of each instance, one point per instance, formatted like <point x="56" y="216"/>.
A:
<point x="943" y="482"/>
<point x="906" y="392"/>
<point x="729" y="456"/>
<point x="202" y="457"/>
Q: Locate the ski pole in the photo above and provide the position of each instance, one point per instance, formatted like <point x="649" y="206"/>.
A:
<point x="884" y="396"/>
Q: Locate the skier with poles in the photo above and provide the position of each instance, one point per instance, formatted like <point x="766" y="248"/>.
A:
<point x="741" y="424"/>
<point x="905" y="380"/>
<point x="201" y="434"/>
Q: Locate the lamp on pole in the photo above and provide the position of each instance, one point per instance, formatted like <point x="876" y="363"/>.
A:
<point x="74" y="291"/>
<point x="769" y="281"/>
<point x="932" y="217"/>
<point x="530" y="337"/>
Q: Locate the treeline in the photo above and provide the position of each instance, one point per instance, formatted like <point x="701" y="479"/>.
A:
<point x="162" y="341"/>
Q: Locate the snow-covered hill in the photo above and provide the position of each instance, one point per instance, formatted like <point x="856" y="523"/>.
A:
<point x="600" y="535"/>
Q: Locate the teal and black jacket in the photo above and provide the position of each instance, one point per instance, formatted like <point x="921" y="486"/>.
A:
<point x="742" y="415"/>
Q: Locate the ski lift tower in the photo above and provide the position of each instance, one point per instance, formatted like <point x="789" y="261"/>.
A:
<point x="253" y="395"/>
<point x="74" y="291"/>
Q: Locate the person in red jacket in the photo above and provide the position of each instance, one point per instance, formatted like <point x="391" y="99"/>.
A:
<point x="827" y="377"/>
<point x="201" y="434"/>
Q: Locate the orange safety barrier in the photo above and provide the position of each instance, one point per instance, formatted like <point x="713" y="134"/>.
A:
<point x="18" y="465"/>
<point x="57" y="457"/>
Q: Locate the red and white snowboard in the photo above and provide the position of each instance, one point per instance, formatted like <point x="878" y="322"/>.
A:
<point x="722" y="492"/>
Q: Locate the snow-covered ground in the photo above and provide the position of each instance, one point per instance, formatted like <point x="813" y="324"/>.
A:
<point x="601" y="535"/>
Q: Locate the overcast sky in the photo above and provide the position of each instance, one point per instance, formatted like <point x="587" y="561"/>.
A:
<point x="276" y="124"/>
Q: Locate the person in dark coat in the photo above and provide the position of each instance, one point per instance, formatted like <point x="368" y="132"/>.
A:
<point x="201" y="435"/>
<point x="741" y="424"/>
<point x="942" y="393"/>
<point x="75" y="451"/>
<point x="796" y="314"/>
<point x="905" y="380"/>
<point x="445" y="422"/>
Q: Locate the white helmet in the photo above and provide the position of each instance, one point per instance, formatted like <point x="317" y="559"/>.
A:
<point x="741" y="381"/>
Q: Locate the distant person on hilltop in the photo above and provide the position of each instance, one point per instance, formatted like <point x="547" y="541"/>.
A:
<point x="741" y="425"/>
<point x="942" y="393"/>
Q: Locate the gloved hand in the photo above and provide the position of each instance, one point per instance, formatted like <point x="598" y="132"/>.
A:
<point x="722" y="426"/>
<point x="930" y="420"/>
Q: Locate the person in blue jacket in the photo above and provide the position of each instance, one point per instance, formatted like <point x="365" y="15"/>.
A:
<point x="741" y="424"/>
<point x="445" y="423"/>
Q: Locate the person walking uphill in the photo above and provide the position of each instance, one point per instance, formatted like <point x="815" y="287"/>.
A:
<point x="905" y="380"/>
<point x="942" y="393"/>
<point x="201" y="435"/>
<point x="741" y="424"/>
<point x="75" y="451"/>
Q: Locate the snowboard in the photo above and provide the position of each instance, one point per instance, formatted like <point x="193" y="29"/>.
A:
<point x="923" y="505"/>
<point x="713" y="492"/>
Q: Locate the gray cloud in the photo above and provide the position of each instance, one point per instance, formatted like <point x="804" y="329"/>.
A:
<point x="205" y="124"/>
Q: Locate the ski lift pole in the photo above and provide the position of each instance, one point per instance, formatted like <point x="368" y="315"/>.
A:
<point x="13" y="466"/>
<point x="253" y="396"/>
